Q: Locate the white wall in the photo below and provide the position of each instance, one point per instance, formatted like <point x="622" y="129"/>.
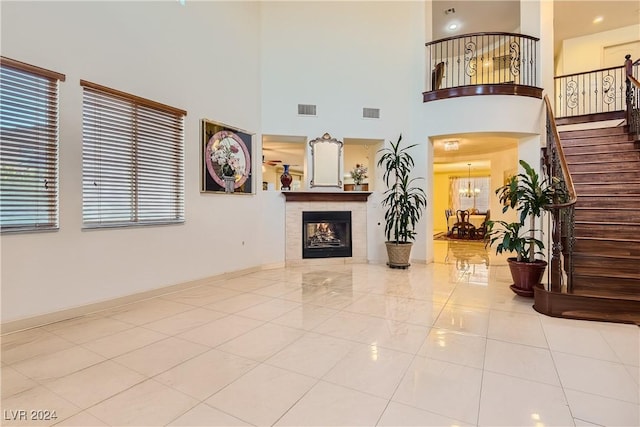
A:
<point x="247" y="64"/>
<point x="536" y="19"/>
<point x="184" y="56"/>
<point x="343" y="56"/>
<point x="516" y="117"/>
<point x="585" y="53"/>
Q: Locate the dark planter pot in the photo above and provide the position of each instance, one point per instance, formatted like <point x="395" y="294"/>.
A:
<point x="526" y="275"/>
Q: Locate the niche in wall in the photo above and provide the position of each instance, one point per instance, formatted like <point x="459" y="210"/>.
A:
<point x="278" y="150"/>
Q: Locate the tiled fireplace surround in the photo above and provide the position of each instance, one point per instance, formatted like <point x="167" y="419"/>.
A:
<point x="298" y="202"/>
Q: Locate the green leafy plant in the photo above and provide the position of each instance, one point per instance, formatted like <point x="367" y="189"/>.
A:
<point x="528" y="194"/>
<point x="359" y="173"/>
<point x="404" y="202"/>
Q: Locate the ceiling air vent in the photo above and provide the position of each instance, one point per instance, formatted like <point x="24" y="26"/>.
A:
<point x="371" y="113"/>
<point x="306" y="110"/>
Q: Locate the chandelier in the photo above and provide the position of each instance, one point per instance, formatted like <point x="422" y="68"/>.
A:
<point x="468" y="191"/>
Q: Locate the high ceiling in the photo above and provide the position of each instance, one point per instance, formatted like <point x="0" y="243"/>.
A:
<point x="474" y="17"/>
<point x="572" y="18"/>
<point x="472" y="148"/>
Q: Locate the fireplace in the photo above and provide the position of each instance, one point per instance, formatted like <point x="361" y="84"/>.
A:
<point x="326" y="234"/>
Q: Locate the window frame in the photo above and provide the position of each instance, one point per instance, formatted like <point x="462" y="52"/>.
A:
<point x="141" y="192"/>
<point x="16" y="150"/>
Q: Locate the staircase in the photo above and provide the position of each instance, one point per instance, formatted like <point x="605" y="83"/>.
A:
<point x="605" y="168"/>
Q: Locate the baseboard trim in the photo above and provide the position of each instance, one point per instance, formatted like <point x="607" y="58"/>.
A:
<point x="84" y="310"/>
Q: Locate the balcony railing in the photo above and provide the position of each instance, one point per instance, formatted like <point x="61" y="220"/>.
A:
<point x="592" y="92"/>
<point x="482" y="63"/>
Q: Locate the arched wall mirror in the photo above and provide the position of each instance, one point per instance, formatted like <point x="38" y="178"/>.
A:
<point x="326" y="153"/>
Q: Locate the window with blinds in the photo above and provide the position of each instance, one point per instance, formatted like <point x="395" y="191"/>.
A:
<point x="481" y="190"/>
<point x="132" y="160"/>
<point x="28" y="147"/>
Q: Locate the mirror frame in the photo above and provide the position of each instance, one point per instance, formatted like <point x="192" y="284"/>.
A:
<point x="320" y="148"/>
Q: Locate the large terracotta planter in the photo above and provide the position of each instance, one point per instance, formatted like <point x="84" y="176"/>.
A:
<point x="399" y="254"/>
<point x="526" y="275"/>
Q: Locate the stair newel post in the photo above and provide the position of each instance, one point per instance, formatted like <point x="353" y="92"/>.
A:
<point x="628" y="71"/>
<point x="556" y="250"/>
<point x="552" y="164"/>
<point x="570" y="242"/>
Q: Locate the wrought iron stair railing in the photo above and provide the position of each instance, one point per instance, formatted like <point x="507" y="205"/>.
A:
<point x="632" y="95"/>
<point x="562" y="212"/>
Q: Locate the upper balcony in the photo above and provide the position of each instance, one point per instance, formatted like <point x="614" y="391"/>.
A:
<point x="483" y="64"/>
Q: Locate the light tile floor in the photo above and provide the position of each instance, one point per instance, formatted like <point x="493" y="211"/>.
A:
<point x="440" y="344"/>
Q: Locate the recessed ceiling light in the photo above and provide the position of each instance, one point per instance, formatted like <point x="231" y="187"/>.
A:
<point x="598" y="19"/>
<point x="451" y="145"/>
<point x="453" y="26"/>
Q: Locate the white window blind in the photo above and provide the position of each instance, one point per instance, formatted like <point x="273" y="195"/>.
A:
<point x="132" y="160"/>
<point x="28" y="147"/>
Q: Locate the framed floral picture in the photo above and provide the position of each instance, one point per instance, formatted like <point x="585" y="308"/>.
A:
<point x="225" y="158"/>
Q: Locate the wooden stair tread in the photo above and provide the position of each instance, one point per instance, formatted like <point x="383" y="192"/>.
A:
<point x="604" y="139"/>
<point x="626" y="196"/>
<point x="609" y="239"/>
<point x="591" y="118"/>
<point x="595" y="140"/>
<point x="595" y="162"/>
<point x="626" y="150"/>
<point x="596" y="131"/>
<point x="605" y="166"/>
<point x="629" y="189"/>
<point x="606" y="294"/>
<point x="609" y="256"/>
<point x="619" y="317"/>
<point x="583" y="133"/>
<point x="583" y="222"/>
<point x="609" y="276"/>
<point x="600" y="172"/>
<point x="626" y="183"/>
<point x="608" y="208"/>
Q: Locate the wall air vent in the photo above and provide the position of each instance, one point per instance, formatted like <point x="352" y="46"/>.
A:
<point x="371" y="113"/>
<point x="306" y="109"/>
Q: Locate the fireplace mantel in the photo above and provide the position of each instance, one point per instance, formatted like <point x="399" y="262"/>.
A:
<point x="324" y="196"/>
<point x="297" y="202"/>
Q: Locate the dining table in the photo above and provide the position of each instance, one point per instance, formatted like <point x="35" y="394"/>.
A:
<point x="475" y="220"/>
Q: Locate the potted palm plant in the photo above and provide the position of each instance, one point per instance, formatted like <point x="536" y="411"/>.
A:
<point x="404" y="202"/>
<point x="528" y="194"/>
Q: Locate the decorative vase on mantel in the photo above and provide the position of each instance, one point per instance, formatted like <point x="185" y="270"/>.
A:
<point x="286" y="179"/>
<point x="357" y="187"/>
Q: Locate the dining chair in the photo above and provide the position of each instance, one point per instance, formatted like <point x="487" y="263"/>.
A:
<point x="482" y="229"/>
<point x="462" y="227"/>
<point x="448" y="213"/>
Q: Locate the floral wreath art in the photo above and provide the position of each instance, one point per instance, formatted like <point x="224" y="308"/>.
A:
<point x="225" y="152"/>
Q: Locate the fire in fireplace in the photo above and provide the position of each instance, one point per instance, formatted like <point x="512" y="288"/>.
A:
<point x="326" y="234"/>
